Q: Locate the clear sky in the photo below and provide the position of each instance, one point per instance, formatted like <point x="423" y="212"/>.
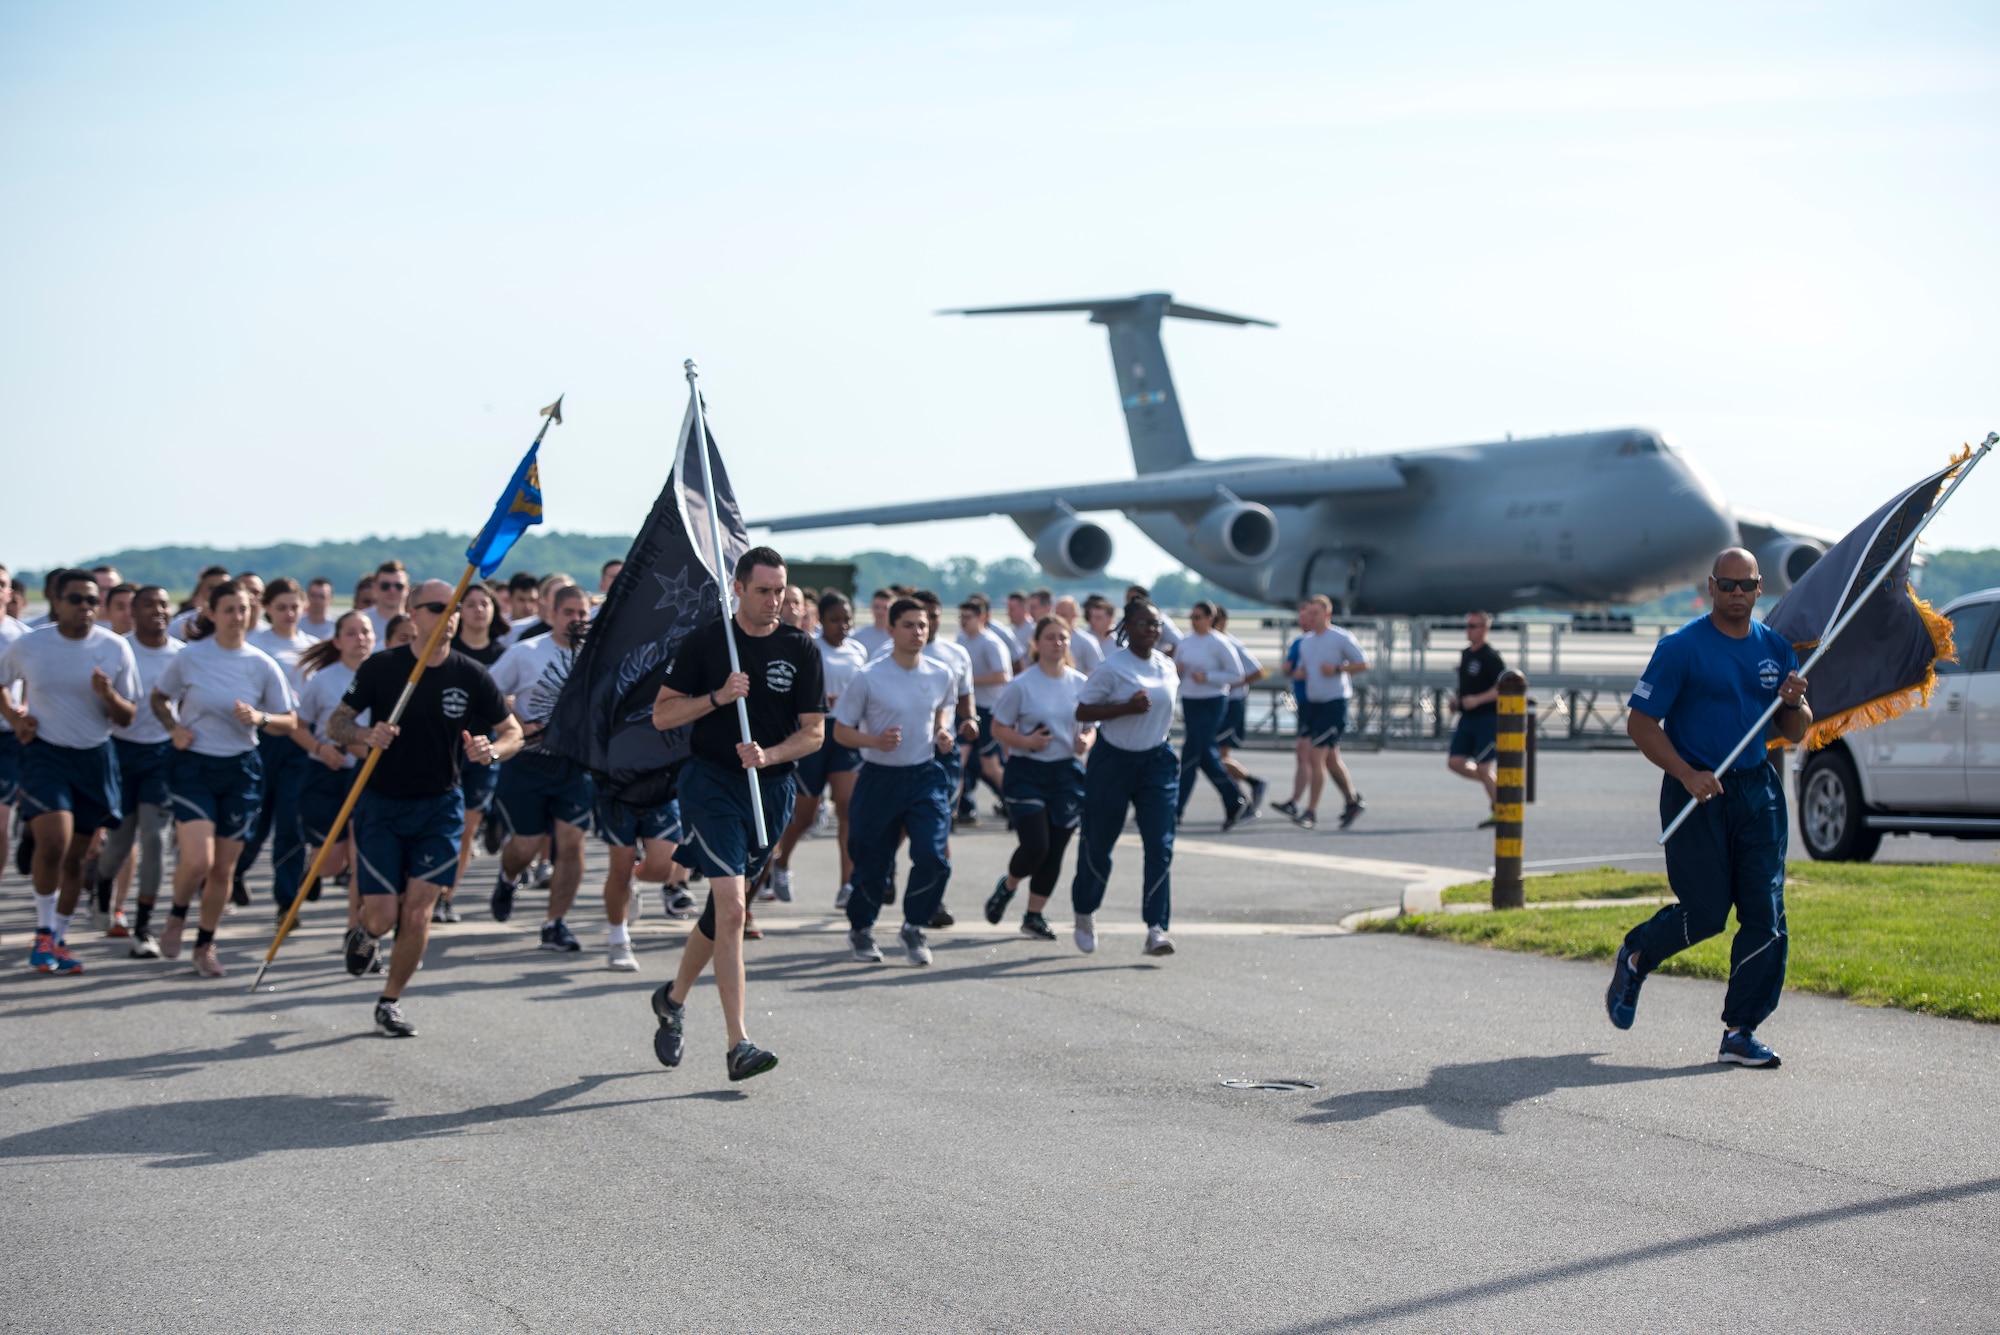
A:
<point x="299" y="272"/>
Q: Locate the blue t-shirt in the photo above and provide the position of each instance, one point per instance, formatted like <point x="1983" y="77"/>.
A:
<point x="1707" y="689"/>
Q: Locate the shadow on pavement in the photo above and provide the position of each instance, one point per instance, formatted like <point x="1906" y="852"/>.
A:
<point x="158" y="1065"/>
<point x="1472" y="1095"/>
<point x="835" y="971"/>
<point x="197" y="1132"/>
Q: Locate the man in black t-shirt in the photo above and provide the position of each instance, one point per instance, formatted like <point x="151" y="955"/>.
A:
<point x="1474" y="741"/>
<point x="782" y="684"/>
<point x="408" y="822"/>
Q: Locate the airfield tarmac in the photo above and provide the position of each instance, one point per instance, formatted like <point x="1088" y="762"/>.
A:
<point x="1019" y="1138"/>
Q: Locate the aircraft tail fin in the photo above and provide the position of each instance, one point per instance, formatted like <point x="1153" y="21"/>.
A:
<point x="1139" y="360"/>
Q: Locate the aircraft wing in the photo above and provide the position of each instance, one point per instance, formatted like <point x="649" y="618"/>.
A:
<point x="1282" y="481"/>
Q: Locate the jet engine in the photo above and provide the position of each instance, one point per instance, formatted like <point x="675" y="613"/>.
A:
<point x="1073" y="548"/>
<point x="1785" y="560"/>
<point x="1237" y="532"/>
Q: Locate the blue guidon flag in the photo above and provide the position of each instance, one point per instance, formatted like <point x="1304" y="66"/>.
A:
<point x="519" y="507"/>
<point x="1883" y="663"/>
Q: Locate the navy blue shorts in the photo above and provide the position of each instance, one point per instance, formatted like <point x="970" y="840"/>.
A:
<point x="142" y="773"/>
<point x="1477" y="736"/>
<point x="1235" y="729"/>
<point x="10" y="767"/>
<point x="1052" y="786"/>
<point x="536" y="791"/>
<point x="832" y="758"/>
<point x="320" y="798"/>
<point x="82" y="781"/>
<point x="477" y="784"/>
<point x="226" y="791"/>
<point x="718" y="825"/>
<point x="623" y="827"/>
<point x="402" y="839"/>
<point x="1323" y="722"/>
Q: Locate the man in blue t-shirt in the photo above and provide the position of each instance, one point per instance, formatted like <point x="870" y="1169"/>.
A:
<point x="1707" y="685"/>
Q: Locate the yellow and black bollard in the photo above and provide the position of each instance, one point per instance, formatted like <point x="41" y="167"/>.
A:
<point x="1511" y="776"/>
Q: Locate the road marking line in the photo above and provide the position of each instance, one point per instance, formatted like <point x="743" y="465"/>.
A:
<point x="1377" y="867"/>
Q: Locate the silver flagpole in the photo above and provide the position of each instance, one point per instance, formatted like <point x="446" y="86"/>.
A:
<point x="722" y="581"/>
<point x="1756" y="732"/>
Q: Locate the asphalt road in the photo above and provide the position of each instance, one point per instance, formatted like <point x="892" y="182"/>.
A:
<point x="1018" y="1138"/>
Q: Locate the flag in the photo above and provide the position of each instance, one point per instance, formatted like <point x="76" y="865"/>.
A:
<point x="670" y="587"/>
<point x="1884" y="661"/>
<point x="519" y="506"/>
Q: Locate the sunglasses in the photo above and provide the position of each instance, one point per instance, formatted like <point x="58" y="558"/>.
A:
<point x="1736" y="585"/>
<point x="81" y="599"/>
<point x="435" y="609"/>
<point x="390" y="588"/>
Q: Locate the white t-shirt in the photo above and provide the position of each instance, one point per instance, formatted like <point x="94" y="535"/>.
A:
<point x="869" y="638"/>
<point x="886" y="694"/>
<point x="533" y="673"/>
<point x="283" y="651"/>
<point x="1212" y="656"/>
<point x="55" y="670"/>
<point x="11" y="629"/>
<point x="1021" y="636"/>
<point x="321" y="697"/>
<point x="146" y="727"/>
<point x="1123" y="675"/>
<point x="380" y="621"/>
<point x="1035" y="699"/>
<point x="1332" y="645"/>
<point x="1246" y="664"/>
<point x="178" y="628"/>
<point x="206" y="680"/>
<point x="1086" y="649"/>
<point x="319" y="630"/>
<point x="989" y="651"/>
<point x="839" y="665"/>
<point x="1170" y="634"/>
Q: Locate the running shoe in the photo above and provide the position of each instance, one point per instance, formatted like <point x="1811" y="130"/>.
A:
<point x="144" y="947"/>
<point x="64" y="961"/>
<point x="312" y="891"/>
<point x="1492" y="819"/>
<point x="965" y="820"/>
<point x="751" y="931"/>
<point x="1158" y="942"/>
<point x="503" y="898"/>
<point x="1353" y="811"/>
<point x="492" y="837"/>
<point x="42" y="954"/>
<point x="747" y="1059"/>
<point x="1743" y="1049"/>
<point x="942" y="919"/>
<point x="362" y="950"/>
<point x="1621" y="999"/>
<point x="1086" y="933"/>
<point x="557" y="936"/>
<point x="1305" y="820"/>
<point x="1035" y="925"/>
<point x="1288" y="809"/>
<point x="668" y="1043"/>
<point x="170" y="937"/>
<point x="846" y="893"/>
<point x="621" y="958"/>
<point x="862" y="942"/>
<point x="1233" y="815"/>
<point x="389" y="1021"/>
<point x="760" y="889"/>
<point x="442" y="911"/>
<point x="781" y="884"/>
<point x="239" y="893"/>
<point x="542" y="874"/>
<point x="205" y="962"/>
<point x="1257" y="790"/>
<point x="381" y="958"/>
<point x="119" y="927"/>
<point x="680" y="904"/>
<point x="912" y="937"/>
<point x="996" y="903"/>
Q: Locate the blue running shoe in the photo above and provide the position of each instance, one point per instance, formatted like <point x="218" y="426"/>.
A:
<point x="558" y="937"/>
<point x="42" y="955"/>
<point x="1742" y="1049"/>
<point x="1621" y="999"/>
<point x="503" y="898"/>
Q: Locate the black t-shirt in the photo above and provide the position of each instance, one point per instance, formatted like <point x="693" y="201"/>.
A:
<point x="457" y="696"/>
<point x="486" y="657"/>
<point x="1479" y="671"/>
<point x="787" y="679"/>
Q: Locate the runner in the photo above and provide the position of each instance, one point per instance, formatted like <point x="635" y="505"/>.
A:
<point x="543" y="800"/>
<point x="1235" y="731"/>
<point x="781" y="685"/>
<point x="1208" y="667"/>
<point x="364" y="597"/>
<point x="875" y="634"/>
<point x="1019" y="631"/>
<point x="407" y="823"/>
<point x="792" y="609"/>
<point x="1327" y="657"/>
<point x="79" y="682"/>
<point x="481" y="634"/>
<point x="401" y="630"/>
<point x="392" y="592"/>
<point x="317" y="620"/>
<point x="118" y="608"/>
<point x="1131" y="698"/>
<point x="994" y="658"/>
<point x="1170" y="634"/>
<point x="894" y="714"/>
<point x="197" y="603"/>
<point x="833" y="766"/>
<point x="1041" y="603"/>
<point x="1035" y="718"/>
<point x="145" y="751"/>
<point x="328" y="668"/>
<point x="226" y="694"/>
<point x="283" y="762"/>
<point x="955" y="657"/>
<point x="1094" y="643"/>
<point x="1475" y="739"/>
<point x="523" y="589"/>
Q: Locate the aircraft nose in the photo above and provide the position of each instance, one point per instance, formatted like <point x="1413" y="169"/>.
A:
<point x="1690" y="518"/>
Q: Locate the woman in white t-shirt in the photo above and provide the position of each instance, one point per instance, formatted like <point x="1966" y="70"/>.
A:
<point x="1131" y="699"/>
<point x="1035" y="719"/>
<point x="215" y="697"/>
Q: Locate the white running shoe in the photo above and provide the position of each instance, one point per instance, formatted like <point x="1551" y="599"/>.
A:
<point x="781" y="884"/>
<point x="1086" y="933"/>
<point x="846" y="893"/>
<point x="1158" y="942"/>
<point x="621" y="958"/>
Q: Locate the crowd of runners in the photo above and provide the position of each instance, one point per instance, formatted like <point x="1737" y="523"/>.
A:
<point x="230" y="722"/>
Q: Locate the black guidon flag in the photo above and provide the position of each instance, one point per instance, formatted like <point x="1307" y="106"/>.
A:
<point x="603" y="720"/>
<point x="1883" y="663"/>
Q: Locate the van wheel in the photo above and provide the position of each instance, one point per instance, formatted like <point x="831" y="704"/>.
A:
<point x="1832" y="816"/>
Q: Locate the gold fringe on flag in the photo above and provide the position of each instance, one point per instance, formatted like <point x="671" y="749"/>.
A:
<point x="1895" y="704"/>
